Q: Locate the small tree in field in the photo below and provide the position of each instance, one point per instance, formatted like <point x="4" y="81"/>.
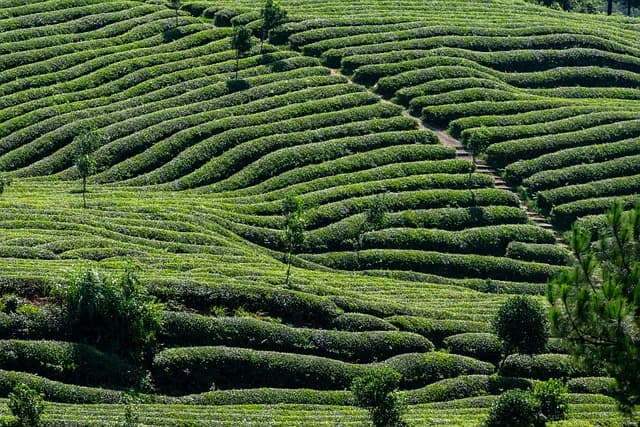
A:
<point x="5" y="181"/>
<point x="27" y="405"/>
<point x="241" y="43"/>
<point x="175" y="5"/>
<point x="375" y="218"/>
<point x="596" y="303"/>
<point x="292" y="209"/>
<point x="522" y="325"/>
<point x="272" y="16"/>
<point x="376" y="392"/>
<point x="86" y="143"/>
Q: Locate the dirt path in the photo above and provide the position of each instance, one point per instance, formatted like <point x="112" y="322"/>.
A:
<point x="462" y="153"/>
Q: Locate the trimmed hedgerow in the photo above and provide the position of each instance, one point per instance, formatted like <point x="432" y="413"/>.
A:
<point x="479" y="138"/>
<point x="418" y="369"/>
<point x="268" y="396"/>
<point x="291" y="306"/>
<point x="192" y="329"/>
<point x="626" y="185"/>
<point x="196" y="369"/>
<point x="592" y="385"/>
<point x="436" y="330"/>
<point x="463" y="96"/>
<point x="481" y="346"/>
<point x="563" y="216"/>
<point x="516" y="172"/>
<point x="542" y="366"/>
<point x="506" y="152"/>
<point x="441" y="115"/>
<point x="539" y="252"/>
<point x="579" y="174"/>
<point x="69" y="362"/>
<point x="462" y="387"/>
<point x="489" y="240"/>
<point x="358" y="322"/>
<point x="442" y="264"/>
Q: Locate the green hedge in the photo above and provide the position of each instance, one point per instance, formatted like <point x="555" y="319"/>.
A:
<point x="268" y="396"/>
<point x="537" y="117"/>
<point x="481" y="346"/>
<point x="539" y="252"/>
<point x="463" y="387"/>
<point x="418" y="369"/>
<point x="359" y="322"/>
<point x="291" y="306"/>
<point x="464" y="96"/>
<point x="563" y="216"/>
<point x="579" y="174"/>
<point x="547" y="199"/>
<point x="578" y="156"/>
<point x="488" y="240"/>
<point x="436" y="330"/>
<point x="441" y="115"/>
<point x="479" y="138"/>
<point x="542" y="366"/>
<point x="69" y="362"/>
<point x="592" y="385"/>
<point x="409" y="200"/>
<point x="186" y="329"/>
<point x="442" y="264"/>
<point x="195" y="369"/>
<point x="503" y="153"/>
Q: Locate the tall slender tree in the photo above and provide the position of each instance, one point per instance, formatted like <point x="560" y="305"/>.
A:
<point x="175" y="5"/>
<point x="241" y="43"/>
<point x="85" y="145"/>
<point x="272" y="15"/>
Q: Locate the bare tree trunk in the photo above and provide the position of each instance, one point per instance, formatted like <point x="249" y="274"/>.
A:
<point x="628" y="7"/>
<point x="84" y="192"/>
<point x="609" y="7"/>
<point x="237" y="65"/>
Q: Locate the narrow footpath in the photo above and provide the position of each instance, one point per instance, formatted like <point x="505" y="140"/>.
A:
<point x="481" y="166"/>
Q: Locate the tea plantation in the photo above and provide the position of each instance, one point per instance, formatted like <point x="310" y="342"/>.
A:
<point x="194" y="169"/>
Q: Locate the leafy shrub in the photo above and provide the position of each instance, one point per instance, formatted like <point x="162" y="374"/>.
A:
<point x="552" y="398"/>
<point x="375" y="391"/>
<point x="513" y="408"/>
<point x="539" y="252"/>
<point x="522" y="325"/>
<point x="592" y="385"/>
<point x="26" y="405"/>
<point x="116" y="315"/>
<point x="436" y="330"/>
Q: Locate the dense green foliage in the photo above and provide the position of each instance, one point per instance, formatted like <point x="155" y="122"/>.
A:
<point x="522" y="325"/>
<point x="375" y="391"/>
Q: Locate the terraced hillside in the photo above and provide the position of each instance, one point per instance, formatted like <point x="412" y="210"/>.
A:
<point x="538" y="93"/>
<point x="194" y="167"/>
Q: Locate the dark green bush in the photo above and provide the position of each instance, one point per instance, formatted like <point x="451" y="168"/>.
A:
<point x="513" y="408"/>
<point x="592" y="385"/>
<point x="481" y="346"/>
<point x="522" y="325"/>
<point x="69" y="362"/>
<point x="376" y="391"/>
<point x="553" y="399"/>
<point x="27" y="405"/>
<point x="115" y="315"/>
<point x="539" y="252"/>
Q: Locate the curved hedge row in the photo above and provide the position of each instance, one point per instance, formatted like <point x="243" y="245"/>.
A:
<point x="503" y="153"/>
<point x="448" y="265"/>
<point x="564" y="215"/>
<point x="481" y="346"/>
<point x="195" y="369"/>
<point x="583" y="173"/>
<point x="547" y="253"/>
<point x="517" y="171"/>
<point x="541" y="366"/>
<point x="69" y="362"/>
<point x="182" y="329"/>
<point x="291" y="306"/>
<point x="489" y="240"/>
<point x="626" y="185"/>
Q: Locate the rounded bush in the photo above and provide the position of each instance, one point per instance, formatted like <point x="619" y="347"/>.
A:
<point x="522" y="325"/>
<point x="513" y="408"/>
<point x="482" y="346"/>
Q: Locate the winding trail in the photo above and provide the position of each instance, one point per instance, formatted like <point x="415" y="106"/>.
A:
<point x="481" y="165"/>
